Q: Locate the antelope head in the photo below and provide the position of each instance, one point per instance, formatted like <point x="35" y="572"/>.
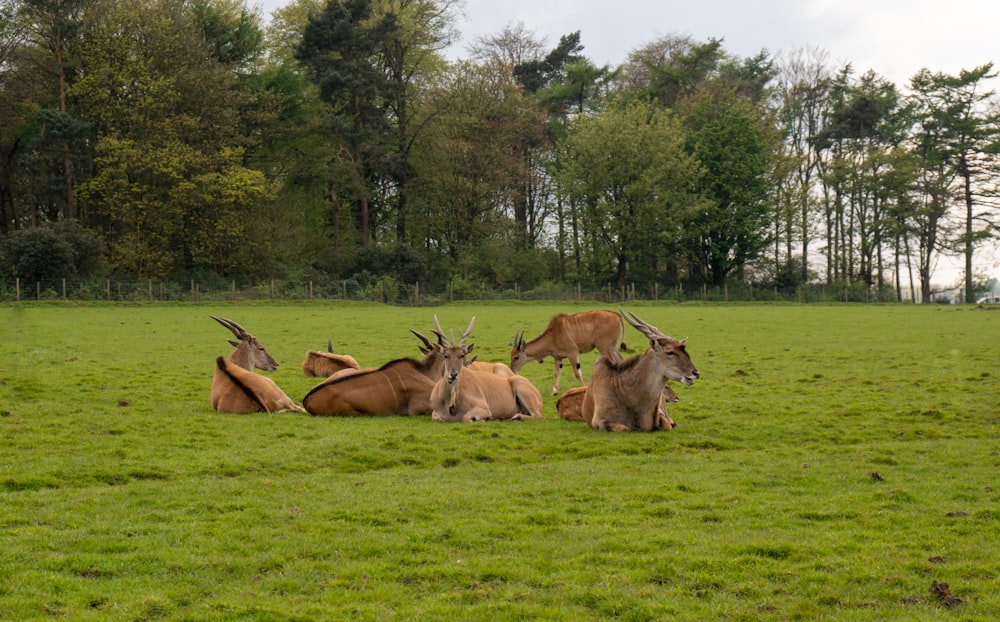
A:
<point x="454" y="354"/>
<point x="249" y="352"/>
<point x="672" y="352"/>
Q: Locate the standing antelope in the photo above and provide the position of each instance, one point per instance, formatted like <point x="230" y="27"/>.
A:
<point x="325" y="364"/>
<point x="625" y="396"/>
<point x="399" y="387"/>
<point x="236" y="388"/>
<point x="570" y="407"/>
<point x="566" y="337"/>
<point x="466" y="394"/>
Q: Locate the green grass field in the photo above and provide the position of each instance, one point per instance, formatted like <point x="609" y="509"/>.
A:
<point x="833" y="463"/>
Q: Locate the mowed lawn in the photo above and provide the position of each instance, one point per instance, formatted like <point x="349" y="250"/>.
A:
<point x="834" y="462"/>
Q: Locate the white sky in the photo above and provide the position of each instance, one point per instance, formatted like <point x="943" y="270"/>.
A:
<point x="895" y="38"/>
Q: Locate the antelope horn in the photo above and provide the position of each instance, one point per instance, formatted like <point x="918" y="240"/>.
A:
<point x="427" y="344"/>
<point x="238" y="330"/>
<point x="329" y="345"/>
<point x="518" y="339"/>
<point x="442" y="338"/>
<point x="468" y="331"/>
<point x="640" y="325"/>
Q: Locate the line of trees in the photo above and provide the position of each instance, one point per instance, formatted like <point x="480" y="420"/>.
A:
<point x="179" y="139"/>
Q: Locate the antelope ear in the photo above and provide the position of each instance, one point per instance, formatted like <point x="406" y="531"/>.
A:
<point x="470" y="348"/>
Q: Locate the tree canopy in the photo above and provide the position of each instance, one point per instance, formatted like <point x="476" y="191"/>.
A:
<point x="163" y="139"/>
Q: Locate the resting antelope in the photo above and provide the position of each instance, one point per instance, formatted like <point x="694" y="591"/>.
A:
<point x="500" y="369"/>
<point x="325" y="364"/>
<point x="570" y="407"/>
<point x="236" y="388"/>
<point x="467" y="394"/>
<point x="399" y="387"/>
<point x="625" y="396"/>
<point x="566" y="337"/>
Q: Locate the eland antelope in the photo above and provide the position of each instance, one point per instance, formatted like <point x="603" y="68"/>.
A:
<point x="466" y="394"/>
<point x="500" y="369"/>
<point x="626" y="396"/>
<point x="566" y="337"/>
<point x="399" y="387"/>
<point x="236" y="388"/>
<point x="325" y="364"/>
<point x="570" y="406"/>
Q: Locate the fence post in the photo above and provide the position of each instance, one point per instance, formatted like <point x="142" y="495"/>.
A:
<point x="150" y="286"/>
<point x="17" y="286"/>
<point x="272" y="288"/>
<point x="416" y="294"/>
<point x="107" y="288"/>
<point x="64" y="289"/>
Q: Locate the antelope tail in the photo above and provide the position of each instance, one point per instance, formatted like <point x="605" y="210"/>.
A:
<point x="621" y="323"/>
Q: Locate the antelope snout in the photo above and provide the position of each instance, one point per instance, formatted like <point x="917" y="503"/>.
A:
<point x="452" y="377"/>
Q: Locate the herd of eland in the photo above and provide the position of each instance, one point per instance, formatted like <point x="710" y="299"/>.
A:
<point x="624" y="394"/>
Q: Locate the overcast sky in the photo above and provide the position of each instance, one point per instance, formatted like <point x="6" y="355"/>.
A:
<point x="895" y="38"/>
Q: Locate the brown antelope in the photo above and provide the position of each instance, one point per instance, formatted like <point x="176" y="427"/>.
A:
<point x="236" y="388"/>
<point x="466" y="394"/>
<point x="500" y="369"/>
<point x="399" y="387"/>
<point x="566" y="337"/>
<point x="325" y="364"/>
<point x="625" y="396"/>
<point x="570" y="407"/>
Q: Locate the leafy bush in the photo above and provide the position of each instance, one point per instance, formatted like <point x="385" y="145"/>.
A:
<point x="51" y="251"/>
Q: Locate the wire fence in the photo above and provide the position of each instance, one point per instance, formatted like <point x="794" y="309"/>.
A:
<point x="389" y="291"/>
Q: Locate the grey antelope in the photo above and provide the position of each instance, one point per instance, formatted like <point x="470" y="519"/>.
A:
<point x="570" y="407"/>
<point x="325" y="364"/>
<point x="236" y="388"/>
<point x="466" y="394"/>
<point x="625" y="396"/>
<point x="566" y="337"/>
<point x="399" y="387"/>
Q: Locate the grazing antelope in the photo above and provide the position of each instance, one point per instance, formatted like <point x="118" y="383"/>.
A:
<point x="626" y="396"/>
<point x="325" y="364"/>
<point x="566" y="337"/>
<point x="466" y="394"/>
<point x="570" y="407"/>
<point x="399" y="387"/>
<point x="236" y="388"/>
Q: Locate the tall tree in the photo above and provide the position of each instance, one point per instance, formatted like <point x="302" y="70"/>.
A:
<point x="628" y="167"/>
<point x="55" y="26"/>
<point x="734" y="142"/>
<point x="166" y="127"/>
<point x="410" y="56"/>
<point x="803" y="90"/>
<point x="338" y="50"/>
<point x="960" y="130"/>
